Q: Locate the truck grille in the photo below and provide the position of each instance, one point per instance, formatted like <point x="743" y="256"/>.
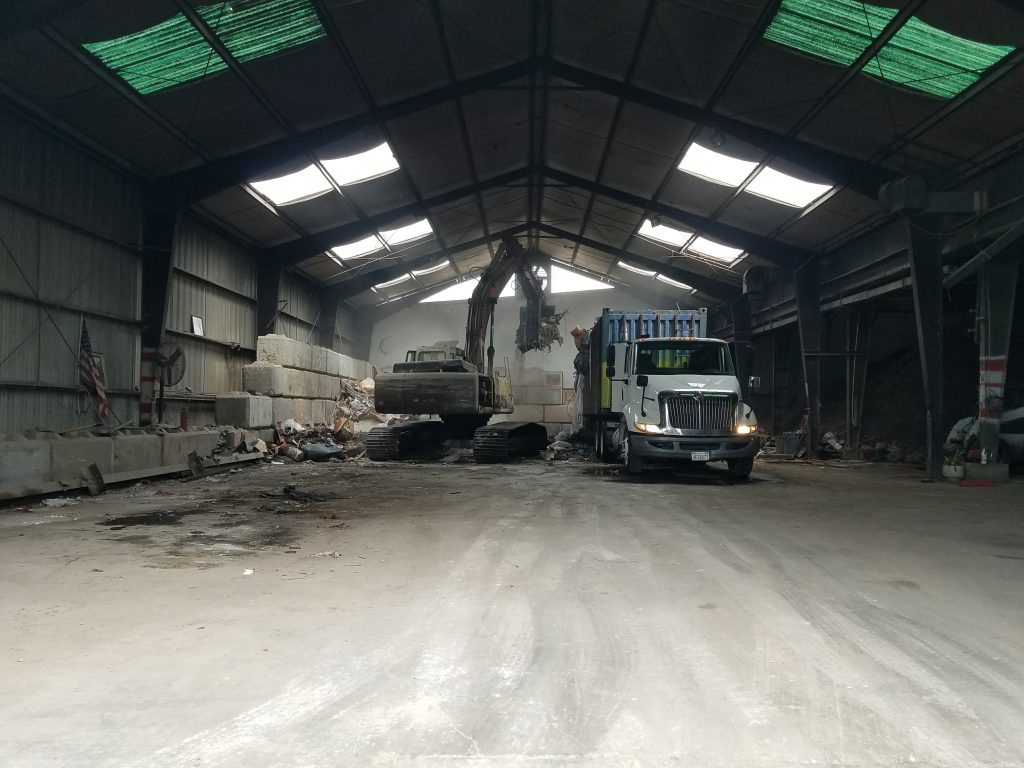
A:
<point x="708" y="413"/>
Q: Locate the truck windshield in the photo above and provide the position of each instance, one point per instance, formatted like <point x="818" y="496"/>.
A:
<point x="692" y="357"/>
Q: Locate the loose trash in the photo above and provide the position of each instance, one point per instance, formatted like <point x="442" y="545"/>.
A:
<point x="61" y="502"/>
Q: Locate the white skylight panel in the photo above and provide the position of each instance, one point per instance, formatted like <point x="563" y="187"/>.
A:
<point x="636" y="270"/>
<point x="458" y="292"/>
<point x="294" y="187"/>
<point x="396" y="281"/>
<point x="407" y="233"/>
<point x="786" y="189"/>
<point x="430" y="270"/>
<point x="714" y="166"/>
<point x="358" y="248"/>
<point x="675" y="283"/>
<point x="714" y="250"/>
<point x="364" y="166"/>
<point x="567" y="281"/>
<point x="663" y="234"/>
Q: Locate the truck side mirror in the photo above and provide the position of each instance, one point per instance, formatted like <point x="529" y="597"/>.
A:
<point x="610" y="372"/>
<point x="611" y="355"/>
<point x="641" y="380"/>
<point x="755" y="382"/>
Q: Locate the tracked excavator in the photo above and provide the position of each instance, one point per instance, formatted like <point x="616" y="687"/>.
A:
<point x="461" y="385"/>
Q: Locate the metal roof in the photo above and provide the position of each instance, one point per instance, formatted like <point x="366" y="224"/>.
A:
<point x="564" y="121"/>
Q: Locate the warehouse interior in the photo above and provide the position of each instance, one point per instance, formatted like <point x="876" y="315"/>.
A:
<point x="221" y="220"/>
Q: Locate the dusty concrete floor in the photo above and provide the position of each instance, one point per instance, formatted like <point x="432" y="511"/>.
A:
<point x="516" y="616"/>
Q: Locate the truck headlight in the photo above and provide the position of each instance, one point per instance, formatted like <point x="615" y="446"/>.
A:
<point x="652" y="429"/>
<point x="744" y="429"/>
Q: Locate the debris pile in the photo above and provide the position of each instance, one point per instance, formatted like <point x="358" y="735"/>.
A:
<point x="343" y="437"/>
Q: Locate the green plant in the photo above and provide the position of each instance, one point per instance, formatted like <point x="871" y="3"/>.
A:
<point x="953" y="459"/>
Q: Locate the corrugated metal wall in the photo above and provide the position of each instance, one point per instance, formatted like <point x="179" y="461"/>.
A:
<point x="214" y="279"/>
<point x="72" y="230"/>
<point x="300" y="309"/>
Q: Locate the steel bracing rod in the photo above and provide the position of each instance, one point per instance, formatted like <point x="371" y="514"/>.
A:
<point x="616" y="119"/>
<point x="367" y="280"/>
<point x="716" y="289"/>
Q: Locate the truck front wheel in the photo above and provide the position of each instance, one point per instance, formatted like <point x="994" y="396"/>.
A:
<point x="740" y="469"/>
<point x="631" y="463"/>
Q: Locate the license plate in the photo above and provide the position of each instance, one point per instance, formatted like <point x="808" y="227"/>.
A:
<point x="700" y="456"/>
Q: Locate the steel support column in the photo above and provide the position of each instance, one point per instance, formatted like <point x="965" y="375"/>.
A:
<point x="858" y="341"/>
<point x="926" y="274"/>
<point x="997" y="288"/>
<point x="808" y="311"/>
<point x="159" y="230"/>
<point x="268" y="296"/>
<point x="741" y="343"/>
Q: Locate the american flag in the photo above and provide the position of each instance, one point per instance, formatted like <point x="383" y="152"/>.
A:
<point x="89" y="374"/>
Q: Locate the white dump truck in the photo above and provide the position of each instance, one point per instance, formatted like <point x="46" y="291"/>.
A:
<point x="653" y="389"/>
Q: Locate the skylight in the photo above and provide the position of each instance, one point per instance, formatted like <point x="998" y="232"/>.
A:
<point x="294" y="187"/>
<point x="431" y="270"/>
<point x="462" y="291"/>
<point x="663" y="234"/>
<point x="357" y="249"/>
<point x="636" y="270"/>
<point x="714" y="166"/>
<point x="675" y="283"/>
<point x="458" y="292"/>
<point x="362" y="166"/>
<point x="714" y="250"/>
<point x="407" y="233"/>
<point x="919" y="56"/>
<point x="396" y="281"/>
<point x="173" y="52"/>
<point x="567" y="281"/>
<point x="786" y="189"/>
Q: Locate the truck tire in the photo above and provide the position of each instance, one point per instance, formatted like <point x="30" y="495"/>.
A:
<point x="601" y="447"/>
<point x="740" y="469"/>
<point x="631" y="463"/>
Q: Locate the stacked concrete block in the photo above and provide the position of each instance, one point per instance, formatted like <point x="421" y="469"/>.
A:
<point x="539" y="396"/>
<point x="75" y="453"/>
<point x="136" y="451"/>
<point x="303" y="380"/>
<point x="265" y="379"/>
<point x="26" y="465"/>
<point x="242" y="409"/>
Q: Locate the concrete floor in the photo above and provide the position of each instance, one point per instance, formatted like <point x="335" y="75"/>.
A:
<point x="527" y="615"/>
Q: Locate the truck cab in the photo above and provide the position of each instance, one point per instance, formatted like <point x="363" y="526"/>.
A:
<point x="442" y="356"/>
<point x="678" y="400"/>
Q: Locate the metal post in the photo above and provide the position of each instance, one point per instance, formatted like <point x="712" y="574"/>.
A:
<point x="859" y="362"/>
<point x="997" y="288"/>
<point x="159" y="231"/>
<point x="741" y="342"/>
<point x="808" y="310"/>
<point x="926" y="274"/>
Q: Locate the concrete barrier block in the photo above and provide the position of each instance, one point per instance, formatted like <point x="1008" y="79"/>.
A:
<point x="557" y="414"/>
<point x="302" y="410"/>
<point x="274" y="348"/>
<point x="526" y="412"/>
<point x="318" y="359"/>
<point x="282" y="408"/>
<point x="73" y="454"/>
<point x="241" y="409"/>
<point x="568" y="395"/>
<point x="333" y="363"/>
<point x="264" y="378"/>
<point x="318" y="412"/>
<point x="25" y="466"/>
<point x="531" y="377"/>
<point x="329" y="386"/>
<point x="176" y="446"/>
<point x="553" y="379"/>
<point x="301" y="384"/>
<point x="136" y="452"/>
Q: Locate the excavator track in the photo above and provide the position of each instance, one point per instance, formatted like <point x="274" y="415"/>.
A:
<point x="496" y="443"/>
<point x="397" y="442"/>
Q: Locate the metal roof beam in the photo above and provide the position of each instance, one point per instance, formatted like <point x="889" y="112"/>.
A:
<point x="716" y="289"/>
<point x="295" y="251"/>
<point x="859" y="175"/>
<point x="765" y="247"/>
<point x="215" y="176"/>
<point x="367" y="280"/>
